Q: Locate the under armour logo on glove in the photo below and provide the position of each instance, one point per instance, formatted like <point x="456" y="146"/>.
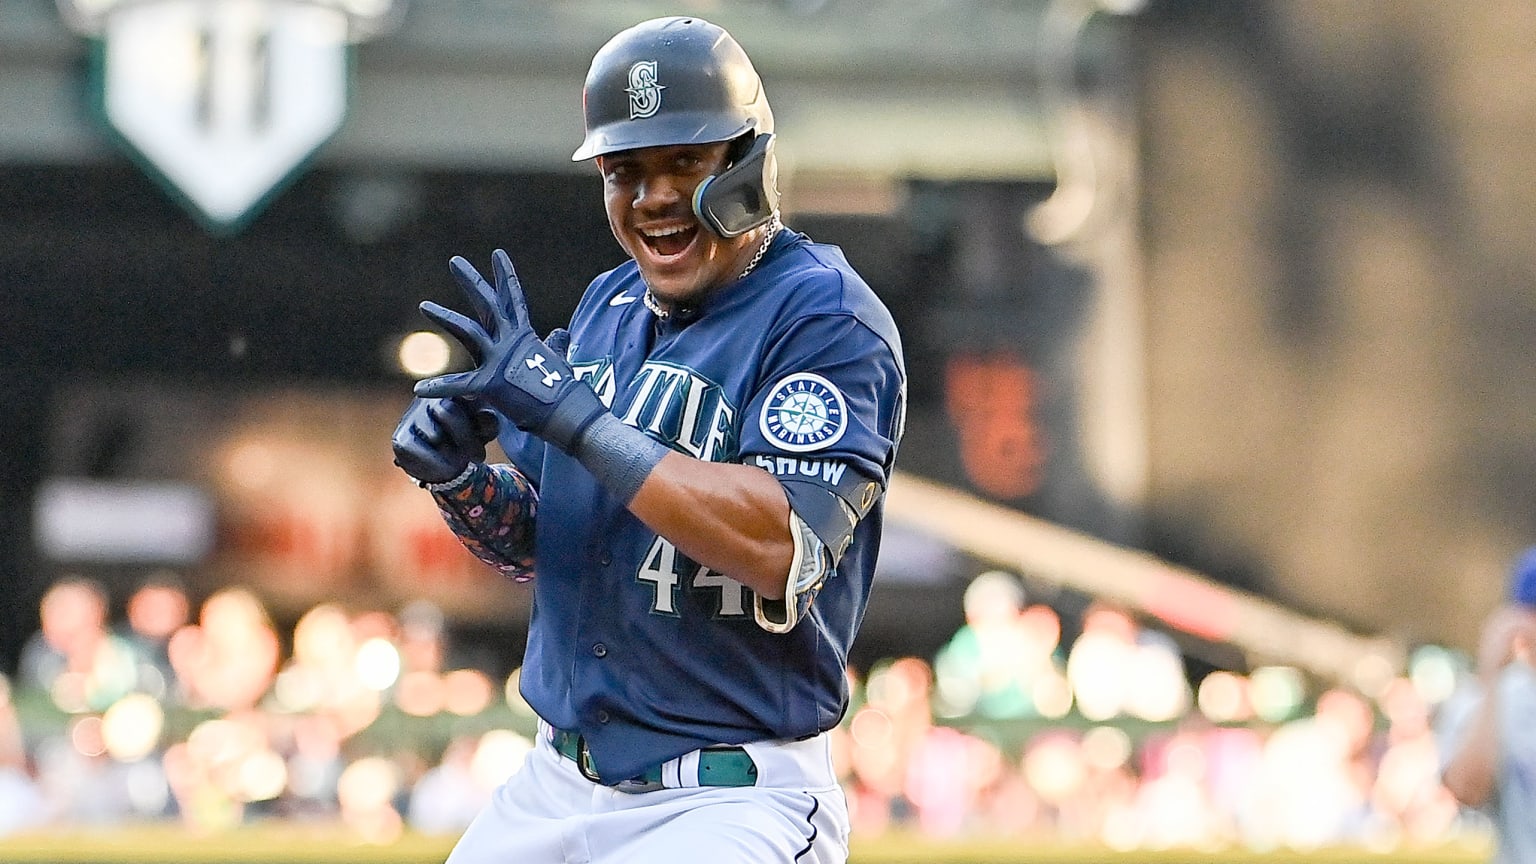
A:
<point x="526" y="380"/>
<point x="551" y="378"/>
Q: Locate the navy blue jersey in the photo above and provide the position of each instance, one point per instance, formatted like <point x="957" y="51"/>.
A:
<point x="797" y="369"/>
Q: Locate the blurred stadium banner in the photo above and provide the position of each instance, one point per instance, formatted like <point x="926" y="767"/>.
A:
<point x="1185" y="600"/>
<point x="224" y="101"/>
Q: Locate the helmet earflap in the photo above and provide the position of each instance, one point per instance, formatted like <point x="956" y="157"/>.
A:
<point x="744" y="195"/>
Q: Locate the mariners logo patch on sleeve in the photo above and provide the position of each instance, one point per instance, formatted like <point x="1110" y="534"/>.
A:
<point x="804" y="412"/>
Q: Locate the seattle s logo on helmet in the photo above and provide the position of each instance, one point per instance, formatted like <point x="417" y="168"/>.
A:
<point x="644" y="92"/>
<point x="716" y="97"/>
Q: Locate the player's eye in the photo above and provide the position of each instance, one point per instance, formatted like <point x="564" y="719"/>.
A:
<point x="619" y="172"/>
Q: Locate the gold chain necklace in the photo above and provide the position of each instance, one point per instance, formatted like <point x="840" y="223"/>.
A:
<point x="774" y="225"/>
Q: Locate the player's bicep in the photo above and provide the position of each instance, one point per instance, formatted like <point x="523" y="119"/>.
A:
<point x="833" y="393"/>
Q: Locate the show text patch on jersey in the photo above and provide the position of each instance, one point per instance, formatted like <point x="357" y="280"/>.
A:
<point x="789" y="466"/>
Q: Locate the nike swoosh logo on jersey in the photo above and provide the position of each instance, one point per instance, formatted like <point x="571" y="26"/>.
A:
<point x="621" y="299"/>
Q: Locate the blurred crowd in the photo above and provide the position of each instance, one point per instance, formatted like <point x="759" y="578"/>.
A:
<point x="208" y="715"/>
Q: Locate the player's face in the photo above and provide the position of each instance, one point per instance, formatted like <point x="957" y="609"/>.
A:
<point x="649" y="197"/>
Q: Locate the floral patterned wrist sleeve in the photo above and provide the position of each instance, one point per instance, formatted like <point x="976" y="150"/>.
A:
<point x="491" y="512"/>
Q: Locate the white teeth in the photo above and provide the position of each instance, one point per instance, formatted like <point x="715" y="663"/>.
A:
<point x="664" y="232"/>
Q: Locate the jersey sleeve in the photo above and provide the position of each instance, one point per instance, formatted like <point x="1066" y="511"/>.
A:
<point x="827" y="422"/>
<point x="828" y="410"/>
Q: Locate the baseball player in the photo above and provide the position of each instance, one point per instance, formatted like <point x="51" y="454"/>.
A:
<point x="697" y="471"/>
<point x="1487" y="731"/>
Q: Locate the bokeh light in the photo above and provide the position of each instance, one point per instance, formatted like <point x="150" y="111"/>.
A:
<point x="467" y="692"/>
<point x="1223" y="697"/>
<point x="1106" y="748"/>
<point x="261" y="776"/>
<point x="1432" y="670"/>
<point x="513" y="695"/>
<point x="423" y="353"/>
<point x="131" y="728"/>
<point x="85" y="735"/>
<point x="421" y="694"/>
<point x="1053" y="766"/>
<point x="378" y="663"/>
<point x="500" y="752"/>
<point x="1276" y="692"/>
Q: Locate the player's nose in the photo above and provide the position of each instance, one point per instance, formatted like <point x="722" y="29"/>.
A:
<point x="657" y="192"/>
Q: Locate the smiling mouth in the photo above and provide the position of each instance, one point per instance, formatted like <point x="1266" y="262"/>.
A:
<point x="669" y="242"/>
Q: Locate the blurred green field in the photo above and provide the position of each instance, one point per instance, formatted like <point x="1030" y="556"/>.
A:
<point x="305" y="845"/>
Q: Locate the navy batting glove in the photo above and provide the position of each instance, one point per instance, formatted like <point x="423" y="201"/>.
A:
<point x="438" y="438"/>
<point x="516" y="373"/>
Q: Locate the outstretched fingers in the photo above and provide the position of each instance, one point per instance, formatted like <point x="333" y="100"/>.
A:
<point x="509" y="291"/>
<point x="446" y="386"/>
<point x="481" y="295"/>
<point x="472" y="336"/>
<point x="469" y="333"/>
<point x="502" y="311"/>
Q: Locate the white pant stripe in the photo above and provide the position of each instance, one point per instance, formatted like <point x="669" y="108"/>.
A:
<point x="688" y="769"/>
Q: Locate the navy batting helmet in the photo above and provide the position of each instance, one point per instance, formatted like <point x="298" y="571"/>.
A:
<point x="683" y="80"/>
<point x="1522" y="579"/>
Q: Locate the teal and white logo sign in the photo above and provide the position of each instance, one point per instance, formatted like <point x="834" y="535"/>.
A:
<point x="803" y="412"/>
<point x="225" y="99"/>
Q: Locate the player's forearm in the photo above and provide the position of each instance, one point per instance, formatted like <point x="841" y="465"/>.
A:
<point x="1469" y="773"/>
<point x="733" y="519"/>
<point x="491" y="509"/>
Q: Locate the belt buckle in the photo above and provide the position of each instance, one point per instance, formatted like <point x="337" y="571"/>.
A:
<point x="637" y="785"/>
<point x="584" y="762"/>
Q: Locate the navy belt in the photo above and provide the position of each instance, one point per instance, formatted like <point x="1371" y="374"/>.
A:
<point x="718" y="766"/>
